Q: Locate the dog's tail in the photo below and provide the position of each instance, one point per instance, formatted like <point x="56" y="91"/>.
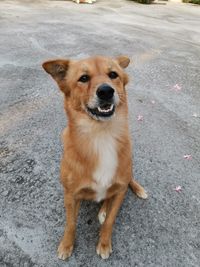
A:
<point x="138" y="189"/>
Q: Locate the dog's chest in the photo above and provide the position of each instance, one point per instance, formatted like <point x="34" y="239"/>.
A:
<point x="105" y="148"/>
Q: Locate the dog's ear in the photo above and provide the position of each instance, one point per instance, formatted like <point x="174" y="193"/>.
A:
<point x="123" y="61"/>
<point x="56" y="68"/>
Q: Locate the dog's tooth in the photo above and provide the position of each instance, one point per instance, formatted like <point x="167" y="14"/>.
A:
<point x="105" y="110"/>
<point x="110" y="109"/>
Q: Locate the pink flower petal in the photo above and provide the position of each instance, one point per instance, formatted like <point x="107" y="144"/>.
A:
<point x="177" y="87"/>
<point x="140" y="118"/>
<point x="178" y="188"/>
<point x="189" y="157"/>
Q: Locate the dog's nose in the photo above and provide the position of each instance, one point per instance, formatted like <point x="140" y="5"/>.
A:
<point x="105" y="92"/>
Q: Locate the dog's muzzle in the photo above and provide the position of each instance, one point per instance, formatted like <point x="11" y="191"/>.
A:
<point x="105" y="103"/>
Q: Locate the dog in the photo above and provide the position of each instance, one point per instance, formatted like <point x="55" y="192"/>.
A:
<point x="97" y="159"/>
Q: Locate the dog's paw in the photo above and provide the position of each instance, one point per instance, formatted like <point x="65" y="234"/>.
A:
<point x="102" y="216"/>
<point x="142" y="194"/>
<point x="104" y="250"/>
<point x="64" y="252"/>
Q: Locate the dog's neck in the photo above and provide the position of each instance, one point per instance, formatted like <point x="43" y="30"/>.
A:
<point x="84" y="126"/>
<point x="90" y="128"/>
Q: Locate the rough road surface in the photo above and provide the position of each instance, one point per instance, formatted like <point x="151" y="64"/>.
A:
<point x="163" y="42"/>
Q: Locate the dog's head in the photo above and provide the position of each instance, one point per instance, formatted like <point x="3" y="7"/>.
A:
<point x="95" y="86"/>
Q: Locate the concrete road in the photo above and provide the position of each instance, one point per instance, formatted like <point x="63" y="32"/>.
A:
<point x="163" y="42"/>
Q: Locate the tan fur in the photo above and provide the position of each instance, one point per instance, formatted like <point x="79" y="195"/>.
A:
<point x="82" y="152"/>
<point x="84" y="1"/>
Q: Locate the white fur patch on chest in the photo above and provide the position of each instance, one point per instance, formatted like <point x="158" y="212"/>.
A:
<point x="106" y="149"/>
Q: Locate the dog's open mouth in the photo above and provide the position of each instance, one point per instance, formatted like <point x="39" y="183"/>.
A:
<point x="102" y="111"/>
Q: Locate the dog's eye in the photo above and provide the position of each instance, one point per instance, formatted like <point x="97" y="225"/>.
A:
<point x="113" y="75"/>
<point x="84" y="78"/>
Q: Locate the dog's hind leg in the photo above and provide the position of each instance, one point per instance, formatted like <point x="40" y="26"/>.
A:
<point x="138" y="189"/>
<point x="104" y="210"/>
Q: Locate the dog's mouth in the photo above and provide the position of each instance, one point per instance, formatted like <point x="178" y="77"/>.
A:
<point x="102" y="111"/>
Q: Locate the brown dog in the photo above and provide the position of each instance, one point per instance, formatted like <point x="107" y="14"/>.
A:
<point x="97" y="160"/>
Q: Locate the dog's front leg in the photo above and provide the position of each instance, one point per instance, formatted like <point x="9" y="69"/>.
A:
<point x="67" y="243"/>
<point x="104" y="247"/>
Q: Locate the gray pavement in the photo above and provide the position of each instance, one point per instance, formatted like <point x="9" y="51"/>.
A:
<point x="163" y="42"/>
